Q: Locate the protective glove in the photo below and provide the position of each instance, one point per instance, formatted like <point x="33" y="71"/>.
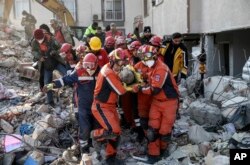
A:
<point x="128" y="88"/>
<point x="48" y="87"/>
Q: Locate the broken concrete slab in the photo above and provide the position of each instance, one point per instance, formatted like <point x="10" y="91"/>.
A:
<point x="234" y="100"/>
<point x="216" y="159"/>
<point x="7" y="127"/>
<point x="222" y="88"/>
<point x="205" y="113"/>
<point x="197" y="135"/>
<point x="34" y="143"/>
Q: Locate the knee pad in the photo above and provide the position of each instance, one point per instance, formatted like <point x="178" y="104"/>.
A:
<point x="144" y="123"/>
<point x="152" y="134"/>
<point x="166" y="138"/>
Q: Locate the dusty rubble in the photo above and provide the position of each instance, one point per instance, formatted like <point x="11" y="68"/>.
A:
<point x="208" y="126"/>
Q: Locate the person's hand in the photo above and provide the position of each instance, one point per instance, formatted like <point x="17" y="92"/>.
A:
<point x="136" y="88"/>
<point x="48" y="87"/>
<point x="128" y="88"/>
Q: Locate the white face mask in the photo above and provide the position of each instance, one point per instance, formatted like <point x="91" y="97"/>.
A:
<point x="150" y="63"/>
<point x="40" y="41"/>
<point x="63" y="55"/>
<point x="90" y="72"/>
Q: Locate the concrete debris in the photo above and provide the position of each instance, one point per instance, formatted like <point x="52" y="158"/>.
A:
<point x="197" y="135"/>
<point x="216" y="159"/>
<point x="9" y="159"/>
<point x="220" y="115"/>
<point x="204" y="147"/>
<point x="10" y="62"/>
<point x="205" y="113"/>
<point x="7" y="127"/>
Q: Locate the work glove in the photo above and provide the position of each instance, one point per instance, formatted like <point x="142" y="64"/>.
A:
<point x="48" y="87"/>
<point x="128" y="88"/>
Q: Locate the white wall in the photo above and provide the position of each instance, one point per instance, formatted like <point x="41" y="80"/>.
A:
<point x="167" y="18"/>
<point x="133" y="8"/>
<point x="86" y="9"/>
<point x="209" y="16"/>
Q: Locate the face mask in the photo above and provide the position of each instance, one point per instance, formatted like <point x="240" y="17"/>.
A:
<point x="40" y="41"/>
<point x="63" y="55"/>
<point x="90" y="72"/>
<point x="150" y="63"/>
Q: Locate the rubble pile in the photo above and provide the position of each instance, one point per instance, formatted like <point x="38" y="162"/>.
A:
<point x="34" y="133"/>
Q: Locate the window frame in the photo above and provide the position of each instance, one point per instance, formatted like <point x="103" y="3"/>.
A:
<point x="122" y="11"/>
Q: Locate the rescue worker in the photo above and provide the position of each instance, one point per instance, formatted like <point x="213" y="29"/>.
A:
<point x="100" y="34"/>
<point x="156" y="41"/>
<point x="109" y="44"/>
<point x="68" y="54"/>
<point x="45" y="50"/>
<point x="85" y="79"/>
<point x="164" y="92"/>
<point x="125" y="101"/>
<point x="113" y="32"/>
<point x="62" y="34"/>
<point x="146" y="36"/>
<point x="96" y="48"/>
<point x="143" y="100"/>
<point x="130" y="38"/>
<point x="90" y="30"/>
<point x="40" y="67"/>
<point x="108" y="87"/>
<point x="176" y="57"/>
<point x="133" y="48"/>
<point x="81" y="51"/>
<point x="29" y="23"/>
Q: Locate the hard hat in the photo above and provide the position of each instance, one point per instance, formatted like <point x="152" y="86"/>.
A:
<point x="66" y="47"/>
<point x="89" y="61"/>
<point x="81" y="49"/>
<point x="134" y="45"/>
<point x="95" y="43"/>
<point x="118" y="56"/>
<point x="38" y="34"/>
<point x="109" y="41"/>
<point x="148" y="52"/>
<point x="120" y="41"/>
<point x="155" y="41"/>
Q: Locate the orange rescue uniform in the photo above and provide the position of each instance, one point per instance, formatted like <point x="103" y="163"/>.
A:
<point x="108" y="87"/>
<point x="164" y="91"/>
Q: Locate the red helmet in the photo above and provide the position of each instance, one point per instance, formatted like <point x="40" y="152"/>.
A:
<point x="89" y="61"/>
<point x="118" y="56"/>
<point x="134" y="45"/>
<point x="121" y="40"/>
<point x="156" y="41"/>
<point x="66" y="48"/>
<point x="38" y="34"/>
<point x="148" y="52"/>
<point x="81" y="49"/>
<point x="109" y="41"/>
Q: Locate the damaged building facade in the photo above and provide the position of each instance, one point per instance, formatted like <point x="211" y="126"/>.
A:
<point x="225" y="25"/>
